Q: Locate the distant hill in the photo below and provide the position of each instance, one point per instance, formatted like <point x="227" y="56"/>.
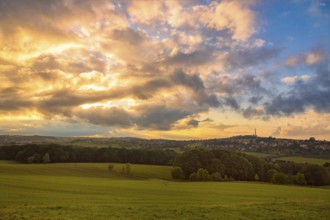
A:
<point x="275" y="147"/>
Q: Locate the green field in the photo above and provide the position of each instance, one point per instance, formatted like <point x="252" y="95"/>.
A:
<point x="7" y="161"/>
<point x="258" y="154"/>
<point x="310" y="160"/>
<point x="90" y="191"/>
<point x="146" y="171"/>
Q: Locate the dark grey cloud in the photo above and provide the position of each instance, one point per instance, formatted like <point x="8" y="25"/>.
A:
<point x="192" y="81"/>
<point x="47" y="10"/>
<point x="285" y="105"/>
<point x="144" y="116"/>
<point x="14" y="104"/>
<point x="250" y="57"/>
<point x="10" y="91"/>
<point x="231" y="102"/>
<point x="255" y="99"/>
<point x="250" y="83"/>
<point x="313" y="93"/>
<point x="159" y="117"/>
<point x="128" y="36"/>
<point x="44" y="62"/>
<point x="208" y="100"/>
<point x="247" y="84"/>
<point x="68" y="97"/>
<point x="39" y="17"/>
<point x="65" y="102"/>
<point x="225" y="126"/>
<point x="111" y="116"/>
<point x="150" y="88"/>
<point x="13" y="99"/>
<point x="195" y="58"/>
<point x="62" y="101"/>
<point x="193" y="123"/>
<point x="251" y="112"/>
<point x="195" y="83"/>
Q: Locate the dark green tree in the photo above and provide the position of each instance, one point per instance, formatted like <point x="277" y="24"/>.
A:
<point x="258" y="166"/>
<point x="202" y="175"/>
<point x="177" y="173"/>
<point x="193" y="176"/>
<point x="312" y="139"/>
<point x="46" y="158"/>
<point x="316" y="175"/>
<point x="280" y="178"/>
<point x="188" y="161"/>
<point x="128" y="168"/>
<point x="238" y="167"/>
<point x="300" y="179"/>
<point x="215" y="165"/>
<point x="111" y="166"/>
<point x="269" y="174"/>
<point x="216" y="176"/>
<point x="256" y="177"/>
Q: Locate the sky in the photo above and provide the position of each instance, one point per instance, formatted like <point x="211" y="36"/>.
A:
<point x="172" y="69"/>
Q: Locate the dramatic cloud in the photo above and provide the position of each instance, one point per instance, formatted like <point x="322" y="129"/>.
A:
<point x="232" y="15"/>
<point x="112" y="116"/>
<point x="313" y="93"/>
<point x="156" y="68"/>
<point x="251" y="57"/>
<point x="252" y="112"/>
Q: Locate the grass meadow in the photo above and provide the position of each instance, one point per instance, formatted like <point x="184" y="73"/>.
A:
<point x="258" y="154"/>
<point x="91" y="191"/>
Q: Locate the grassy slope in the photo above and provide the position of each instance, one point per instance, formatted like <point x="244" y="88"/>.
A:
<point x="305" y="160"/>
<point x="147" y="171"/>
<point x="61" y="191"/>
<point x="7" y="161"/>
<point x="87" y="170"/>
<point x="258" y="154"/>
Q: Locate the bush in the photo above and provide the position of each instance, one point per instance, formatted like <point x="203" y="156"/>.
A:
<point x="128" y="168"/>
<point x="300" y="179"/>
<point x="269" y="174"/>
<point x="193" y="176"/>
<point x="177" y="173"/>
<point x="216" y="176"/>
<point x="111" y="166"/>
<point x="316" y="175"/>
<point x="202" y="175"/>
<point x="46" y="158"/>
<point x="280" y="178"/>
<point x="226" y="178"/>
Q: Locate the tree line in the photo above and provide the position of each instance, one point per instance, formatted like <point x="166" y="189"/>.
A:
<point x="223" y="165"/>
<point x="53" y="153"/>
<point x="192" y="165"/>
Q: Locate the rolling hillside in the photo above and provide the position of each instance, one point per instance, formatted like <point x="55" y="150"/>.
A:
<point x="97" y="170"/>
<point x="90" y="191"/>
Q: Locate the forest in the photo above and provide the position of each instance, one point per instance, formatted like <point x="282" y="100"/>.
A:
<point x="191" y="165"/>
<point x="224" y="165"/>
<point x="53" y="153"/>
